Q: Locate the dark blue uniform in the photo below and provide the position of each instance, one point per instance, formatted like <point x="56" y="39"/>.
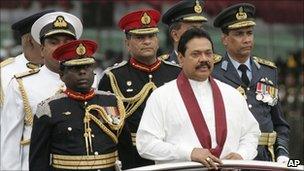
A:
<point x="59" y="131"/>
<point x="267" y="112"/>
<point x="136" y="83"/>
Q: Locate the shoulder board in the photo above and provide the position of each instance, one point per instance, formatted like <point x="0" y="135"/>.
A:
<point x="117" y="65"/>
<point x="171" y="63"/>
<point x="164" y="57"/>
<point x="217" y="58"/>
<point x="264" y="62"/>
<point x="7" y="62"/>
<point x="27" y="73"/>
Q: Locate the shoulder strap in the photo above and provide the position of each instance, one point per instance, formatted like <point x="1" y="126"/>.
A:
<point x="7" y="62"/>
<point x="265" y="62"/>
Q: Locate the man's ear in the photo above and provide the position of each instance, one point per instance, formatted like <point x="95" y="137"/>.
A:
<point x="180" y="59"/>
<point x="224" y="39"/>
<point x="127" y="44"/>
<point x="174" y="35"/>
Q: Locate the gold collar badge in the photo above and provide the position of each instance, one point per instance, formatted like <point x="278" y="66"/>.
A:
<point x="145" y="19"/>
<point x="241" y="15"/>
<point x="198" y="8"/>
<point x="80" y="50"/>
<point x="60" y="22"/>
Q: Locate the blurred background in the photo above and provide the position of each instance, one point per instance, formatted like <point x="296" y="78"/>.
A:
<point x="278" y="37"/>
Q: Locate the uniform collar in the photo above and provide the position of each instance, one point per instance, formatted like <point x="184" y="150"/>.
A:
<point x="79" y="96"/>
<point x="143" y="67"/>
<point x="236" y="64"/>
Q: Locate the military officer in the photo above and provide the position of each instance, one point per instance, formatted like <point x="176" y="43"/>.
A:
<point x="29" y="59"/>
<point x="254" y="77"/>
<point x="76" y="129"/>
<point x="181" y="17"/>
<point x="135" y="79"/>
<point x="27" y="89"/>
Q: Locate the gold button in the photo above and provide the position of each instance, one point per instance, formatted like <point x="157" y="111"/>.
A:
<point x="69" y="128"/>
<point x="250" y="106"/>
<point x="248" y="88"/>
<point x="93" y="135"/>
<point x="95" y="153"/>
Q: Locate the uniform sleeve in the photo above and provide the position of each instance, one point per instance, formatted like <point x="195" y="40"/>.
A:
<point x="105" y="84"/>
<point x="39" y="158"/>
<point x="12" y="125"/>
<point x="150" y="139"/>
<point x="281" y="127"/>
<point x="250" y="133"/>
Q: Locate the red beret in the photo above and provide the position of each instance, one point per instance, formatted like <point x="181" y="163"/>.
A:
<point x="77" y="52"/>
<point x="140" y="22"/>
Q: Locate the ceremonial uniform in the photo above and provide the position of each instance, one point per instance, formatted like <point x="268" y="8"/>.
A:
<point x="76" y="130"/>
<point x="133" y="81"/>
<point x="18" y="64"/>
<point x="185" y="11"/>
<point x="258" y="84"/>
<point x="24" y="92"/>
<point x="59" y="130"/>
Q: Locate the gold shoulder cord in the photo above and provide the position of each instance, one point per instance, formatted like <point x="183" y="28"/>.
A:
<point x="101" y="111"/>
<point x="132" y="102"/>
<point x="28" y="118"/>
<point x="1" y="95"/>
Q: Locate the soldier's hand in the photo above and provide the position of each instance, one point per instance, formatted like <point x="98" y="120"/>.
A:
<point x="206" y="158"/>
<point x="233" y="156"/>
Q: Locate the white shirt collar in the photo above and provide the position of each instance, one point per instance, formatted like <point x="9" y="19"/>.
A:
<point x="236" y="64"/>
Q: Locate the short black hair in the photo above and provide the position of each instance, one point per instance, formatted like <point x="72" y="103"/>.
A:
<point x="189" y="35"/>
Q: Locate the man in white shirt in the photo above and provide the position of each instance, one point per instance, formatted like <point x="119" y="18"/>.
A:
<point x="28" y="89"/>
<point x="195" y="117"/>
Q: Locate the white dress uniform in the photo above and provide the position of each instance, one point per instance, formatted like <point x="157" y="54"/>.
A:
<point x="166" y="134"/>
<point x="16" y="121"/>
<point x="38" y="87"/>
<point x="15" y="65"/>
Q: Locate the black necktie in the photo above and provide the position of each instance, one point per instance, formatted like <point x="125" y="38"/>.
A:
<point x="244" y="77"/>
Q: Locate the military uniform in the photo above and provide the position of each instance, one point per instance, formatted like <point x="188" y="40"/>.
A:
<point x="59" y="130"/>
<point x="188" y="11"/>
<point x="24" y="92"/>
<point x="134" y="81"/>
<point x="76" y="130"/>
<point x="18" y="64"/>
<point x="261" y="91"/>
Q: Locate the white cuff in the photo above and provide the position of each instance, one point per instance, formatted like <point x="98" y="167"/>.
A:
<point x="282" y="159"/>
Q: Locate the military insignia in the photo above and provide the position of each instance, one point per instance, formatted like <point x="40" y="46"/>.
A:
<point x="129" y="83"/>
<point x="264" y="62"/>
<point x="66" y="113"/>
<point x="242" y="91"/>
<point x="60" y="22"/>
<point x="129" y="90"/>
<point x="145" y="19"/>
<point x="266" y="92"/>
<point x="217" y="58"/>
<point x="198" y="8"/>
<point x="80" y="50"/>
<point x="241" y="15"/>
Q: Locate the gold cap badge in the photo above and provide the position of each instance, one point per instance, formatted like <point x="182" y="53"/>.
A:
<point x="60" y="22"/>
<point x="241" y="15"/>
<point x="198" y="8"/>
<point x="80" y="50"/>
<point x="145" y="19"/>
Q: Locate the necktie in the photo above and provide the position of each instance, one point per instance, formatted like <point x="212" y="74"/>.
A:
<point x="243" y="68"/>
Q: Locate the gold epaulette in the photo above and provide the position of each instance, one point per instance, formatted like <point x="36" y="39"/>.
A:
<point x="26" y="73"/>
<point x="163" y="57"/>
<point x="264" y="62"/>
<point x="7" y="61"/>
<point x="117" y="65"/>
<point x="171" y="63"/>
<point x="217" y="58"/>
